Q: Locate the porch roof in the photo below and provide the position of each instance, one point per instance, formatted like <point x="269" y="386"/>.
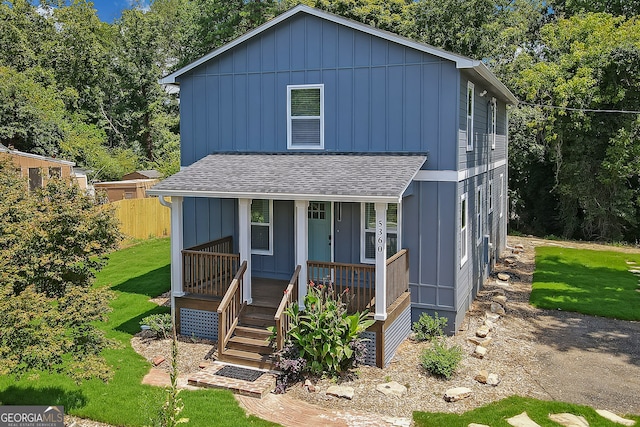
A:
<point x="296" y="176"/>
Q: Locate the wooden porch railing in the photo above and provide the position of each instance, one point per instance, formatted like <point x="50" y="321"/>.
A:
<point x="229" y="309"/>
<point x="359" y="279"/>
<point x="397" y="276"/>
<point x="209" y="268"/>
<point x="283" y="320"/>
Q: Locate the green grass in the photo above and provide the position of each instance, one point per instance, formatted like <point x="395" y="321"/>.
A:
<point x="135" y="274"/>
<point x="495" y="414"/>
<point x="585" y="281"/>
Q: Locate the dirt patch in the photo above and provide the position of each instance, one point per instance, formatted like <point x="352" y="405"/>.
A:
<point x="537" y="353"/>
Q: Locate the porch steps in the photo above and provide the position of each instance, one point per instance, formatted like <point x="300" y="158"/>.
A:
<point x="249" y="345"/>
<point x="253" y="345"/>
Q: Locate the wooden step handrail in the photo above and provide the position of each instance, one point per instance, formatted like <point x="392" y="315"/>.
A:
<point x="282" y="319"/>
<point x="229" y="309"/>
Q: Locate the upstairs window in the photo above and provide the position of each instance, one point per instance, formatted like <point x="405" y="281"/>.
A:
<point x="470" y="108"/>
<point x="261" y="227"/>
<point x="305" y="112"/>
<point x="368" y="254"/>
<point x="493" y="126"/>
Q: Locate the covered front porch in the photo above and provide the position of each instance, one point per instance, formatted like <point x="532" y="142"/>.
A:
<point x="215" y="281"/>
<point x="294" y="224"/>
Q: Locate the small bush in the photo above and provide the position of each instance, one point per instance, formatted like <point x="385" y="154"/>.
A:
<point x="291" y="366"/>
<point x="427" y="327"/>
<point x="159" y="323"/>
<point x="441" y="359"/>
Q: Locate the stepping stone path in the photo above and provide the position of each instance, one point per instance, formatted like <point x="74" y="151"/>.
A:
<point x="634" y="271"/>
<point x="341" y="391"/>
<point x="615" y="418"/>
<point x="392" y="388"/>
<point x="522" y="420"/>
<point x="457" y="393"/>
<point x="482" y="377"/>
<point x="500" y="299"/>
<point x="477" y="425"/>
<point x="569" y="420"/>
<point x="504" y="277"/>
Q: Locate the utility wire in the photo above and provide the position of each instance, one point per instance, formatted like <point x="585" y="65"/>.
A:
<point x="586" y="110"/>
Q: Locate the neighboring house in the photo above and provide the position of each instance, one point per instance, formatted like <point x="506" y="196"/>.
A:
<point x="146" y="174"/>
<point x="126" y="189"/>
<point x="38" y="169"/>
<point x="315" y="148"/>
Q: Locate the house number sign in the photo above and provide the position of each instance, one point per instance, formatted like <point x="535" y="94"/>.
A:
<point x="380" y="237"/>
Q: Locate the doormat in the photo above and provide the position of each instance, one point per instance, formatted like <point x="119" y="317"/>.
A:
<point x="238" y="373"/>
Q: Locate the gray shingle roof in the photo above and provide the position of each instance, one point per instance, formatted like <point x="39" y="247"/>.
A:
<point x="299" y="176"/>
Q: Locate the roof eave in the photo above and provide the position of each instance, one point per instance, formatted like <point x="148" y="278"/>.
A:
<point x="273" y="196"/>
<point x="489" y="77"/>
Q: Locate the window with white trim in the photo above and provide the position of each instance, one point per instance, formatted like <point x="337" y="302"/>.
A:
<point x="501" y="195"/>
<point x="464" y="238"/>
<point x="305" y="116"/>
<point x="490" y="196"/>
<point x="493" y="129"/>
<point x="470" y="108"/>
<point x="368" y="247"/>
<point x="479" y="214"/>
<point x="262" y="227"/>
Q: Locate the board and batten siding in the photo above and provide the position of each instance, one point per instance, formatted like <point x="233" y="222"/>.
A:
<point x="209" y="219"/>
<point x="428" y="229"/>
<point x="378" y="96"/>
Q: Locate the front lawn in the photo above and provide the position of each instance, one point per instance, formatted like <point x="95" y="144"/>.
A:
<point x="586" y="281"/>
<point x="495" y="414"/>
<point x="135" y="274"/>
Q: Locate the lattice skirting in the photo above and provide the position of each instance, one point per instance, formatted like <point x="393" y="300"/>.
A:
<point x="199" y="323"/>
<point x="370" y="358"/>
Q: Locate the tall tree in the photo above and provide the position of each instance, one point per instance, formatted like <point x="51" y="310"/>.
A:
<point x="51" y="243"/>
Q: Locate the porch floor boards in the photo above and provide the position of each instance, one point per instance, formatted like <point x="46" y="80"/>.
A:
<point x="267" y="292"/>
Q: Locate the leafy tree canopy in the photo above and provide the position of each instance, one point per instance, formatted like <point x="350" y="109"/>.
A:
<point x="52" y="241"/>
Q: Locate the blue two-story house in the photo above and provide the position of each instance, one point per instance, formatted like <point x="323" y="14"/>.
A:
<point x="319" y="149"/>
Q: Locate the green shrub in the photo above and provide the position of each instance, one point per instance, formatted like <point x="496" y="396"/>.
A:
<point x="158" y="323"/>
<point x="326" y="336"/>
<point x="441" y="359"/>
<point x="427" y="327"/>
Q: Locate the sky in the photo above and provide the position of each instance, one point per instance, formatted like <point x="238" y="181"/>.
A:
<point x="110" y="10"/>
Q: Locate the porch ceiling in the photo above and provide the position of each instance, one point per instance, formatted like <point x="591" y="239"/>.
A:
<point x="296" y="176"/>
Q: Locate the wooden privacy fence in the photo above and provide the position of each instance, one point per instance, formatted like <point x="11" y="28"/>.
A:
<point x="143" y="218"/>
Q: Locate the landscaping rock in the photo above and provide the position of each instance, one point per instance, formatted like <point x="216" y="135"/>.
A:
<point x="634" y="271"/>
<point x="482" y="377"/>
<point x="501" y="283"/>
<point x="630" y="262"/>
<point x="158" y="360"/>
<point x="500" y="299"/>
<point x="615" y="418"/>
<point x="392" y="388"/>
<point x="477" y="425"/>
<point x="457" y="393"/>
<point x="480" y="352"/>
<point x="569" y="420"/>
<point x="341" y="391"/>
<point x="309" y="386"/>
<point x="489" y="324"/>
<point x="493" y="380"/>
<point x="497" y="308"/>
<point x="522" y="420"/>
<point x="494" y="317"/>
<point x="482" y="331"/>
<point x="484" y="342"/>
<point x="509" y="261"/>
<point x="504" y="277"/>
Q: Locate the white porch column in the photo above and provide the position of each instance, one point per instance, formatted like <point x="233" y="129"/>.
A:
<point x="176" y="246"/>
<point x="381" y="261"/>
<point x="244" y="244"/>
<point x="302" y="246"/>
